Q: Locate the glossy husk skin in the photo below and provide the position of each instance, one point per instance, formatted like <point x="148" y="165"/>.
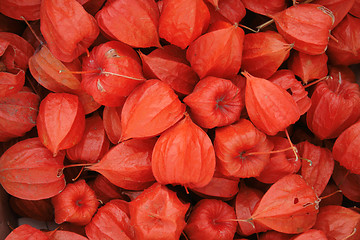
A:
<point x="29" y="171"/>
<point x="112" y="123"/>
<point x="184" y="155"/>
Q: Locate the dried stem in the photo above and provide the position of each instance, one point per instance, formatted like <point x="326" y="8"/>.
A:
<point x="316" y="81"/>
<point x="268" y="23"/>
<point x="292" y="146"/>
<point x="331" y="194"/>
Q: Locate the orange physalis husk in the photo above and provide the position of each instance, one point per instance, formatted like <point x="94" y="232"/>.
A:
<point x="184" y="155"/>
<point x="217" y="53"/>
<point x="177" y="73"/>
<point x="335" y="106"/>
<point x="60" y="122"/>
<point x="317" y="165"/>
<point x="76" y="204"/>
<point x="346" y="148"/>
<point x="41" y="210"/>
<point x="26" y="232"/>
<point x="67" y="28"/>
<point x="149" y="110"/>
<point x="183" y="21"/>
<point x="207" y="220"/>
<point x="29" y="171"/>
<point x="347" y="182"/>
<point x="331" y="198"/>
<point x="111" y="222"/>
<point x="157" y="213"/>
<point x="30" y="9"/>
<point x="338" y="7"/>
<point x="265" y="7"/>
<point x="111" y="72"/>
<point x="112" y="123"/>
<point x="215" y="3"/>
<point x="18" y="114"/>
<point x="355" y="10"/>
<point x="264" y="52"/>
<point x="94" y="143"/>
<point x="64" y="235"/>
<point x="245" y="204"/>
<point x="312" y="234"/>
<point x="215" y="102"/>
<point x="273" y="235"/>
<point x="270" y="107"/>
<point x="119" y="18"/>
<point x="233" y="147"/>
<point x="343" y="72"/>
<point x="308" y="67"/>
<point x="281" y="163"/>
<point x="307" y="26"/>
<point x="346" y="50"/>
<point x="289" y="206"/>
<point x="11" y="82"/>
<point x="128" y="164"/>
<point x="105" y="190"/>
<point x="338" y="222"/>
<point x="233" y="10"/>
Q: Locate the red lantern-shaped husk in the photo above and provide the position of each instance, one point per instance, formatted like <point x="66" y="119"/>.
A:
<point x="215" y="102"/>
<point x="64" y="235"/>
<point x="338" y="7"/>
<point x="157" y="213"/>
<point x="26" y="232"/>
<point x="112" y="123"/>
<point x="60" y="122"/>
<point x="41" y="210"/>
<point x="150" y="109"/>
<point x="317" y="165"/>
<point x="184" y="155"/>
<point x="281" y="163"/>
<point x="307" y="26"/>
<point x="347" y="182"/>
<point x="355" y="10"/>
<point x="112" y="221"/>
<point x="333" y="199"/>
<point x="343" y="72"/>
<point x="338" y="222"/>
<point x="224" y="59"/>
<point x="289" y="206"/>
<point x="177" y="73"/>
<point x="270" y="108"/>
<point x="227" y="10"/>
<point x="128" y="165"/>
<point x="335" y="106"/>
<point x="208" y="221"/>
<point x="308" y="67"/>
<point x="182" y="21"/>
<point x="311" y="234"/>
<point x="245" y="204"/>
<point x="94" y="143"/>
<point x="264" y="52"/>
<point x="118" y="19"/>
<point x="346" y="50"/>
<point x="67" y="28"/>
<point x="29" y="171"/>
<point x="346" y="148"/>
<point x="265" y="7"/>
<point x="30" y="10"/>
<point x="105" y="190"/>
<point x="18" y="114"/>
<point x="11" y="82"/>
<point x="76" y="204"/>
<point x="233" y="146"/>
<point x="111" y="72"/>
<point x="273" y="235"/>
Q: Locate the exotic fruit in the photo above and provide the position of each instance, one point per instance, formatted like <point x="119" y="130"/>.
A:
<point x="60" y="122"/>
<point x="307" y="26"/>
<point x="184" y="155"/>
<point x="67" y="28"/>
<point x="270" y="107"/>
<point x="29" y="171"/>
<point x="335" y="107"/>
<point x="157" y="213"/>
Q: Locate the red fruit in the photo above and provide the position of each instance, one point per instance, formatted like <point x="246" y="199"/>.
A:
<point x="224" y="59"/>
<point x="41" y="210"/>
<point x="128" y="164"/>
<point x="182" y="21"/>
<point x="60" y="122"/>
<point x="264" y="52"/>
<point x="112" y="123"/>
<point x="67" y="28"/>
<point x="270" y="108"/>
<point x="215" y="102"/>
<point x="208" y="221"/>
<point x="265" y="7"/>
<point x="157" y="213"/>
<point x="335" y="107"/>
<point x="94" y="143"/>
<point x="26" y="232"/>
<point x="119" y="18"/>
<point x="233" y="147"/>
<point x="184" y="155"/>
<point x="76" y="204"/>
<point x="308" y="67"/>
<point x="111" y="222"/>
<point x="150" y="109"/>
<point x="18" y="114"/>
<point x="307" y="26"/>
